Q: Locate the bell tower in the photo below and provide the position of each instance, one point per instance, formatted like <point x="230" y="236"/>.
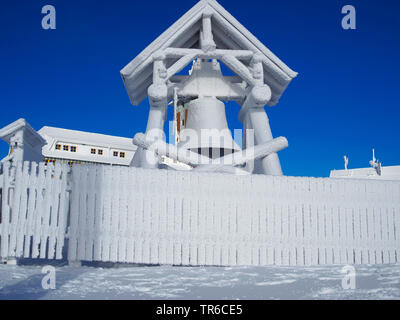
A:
<point x="207" y="36"/>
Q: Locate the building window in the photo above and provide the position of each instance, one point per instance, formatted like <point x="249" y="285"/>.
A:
<point x="122" y="154"/>
<point x="93" y="151"/>
<point x="71" y="163"/>
<point x="115" y="153"/>
<point x="100" y="152"/>
<point x="47" y="160"/>
<point x="73" y="149"/>
<point x="58" y="146"/>
<point x="65" y="147"/>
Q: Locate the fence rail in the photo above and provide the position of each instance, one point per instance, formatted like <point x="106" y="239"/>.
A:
<point x="133" y="215"/>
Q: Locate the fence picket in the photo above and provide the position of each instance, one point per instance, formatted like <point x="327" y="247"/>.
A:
<point x="63" y="213"/>
<point x="33" y="194"/>
<point x="5" y="210"/>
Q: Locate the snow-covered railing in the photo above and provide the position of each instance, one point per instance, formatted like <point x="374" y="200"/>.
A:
<point x="34" y="210"/>
<point x="123" y="214"/>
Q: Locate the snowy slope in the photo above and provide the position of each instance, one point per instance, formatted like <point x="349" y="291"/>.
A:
<point x="167" y="282"/>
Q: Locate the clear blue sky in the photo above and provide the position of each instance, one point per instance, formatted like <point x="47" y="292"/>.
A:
<point x="343" y="102"/>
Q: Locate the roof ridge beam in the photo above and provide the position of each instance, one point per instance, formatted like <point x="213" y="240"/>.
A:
<point x="216" y="54"/>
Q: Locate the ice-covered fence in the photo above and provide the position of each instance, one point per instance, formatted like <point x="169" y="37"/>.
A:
<point x="157" y="216"/>
<point x="34" y="210"/>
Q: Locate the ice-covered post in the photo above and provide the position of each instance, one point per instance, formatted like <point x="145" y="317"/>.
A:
<point x="253" y="116"/>
<point x="206" y="38"/>
<point x="157" y="93"/>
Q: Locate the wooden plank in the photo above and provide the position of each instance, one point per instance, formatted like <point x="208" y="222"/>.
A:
<point x="63" y="212"/>
<point x="123" y="216"/>
<point x="55" y="209"/>
<point x="115" y="210"/>
<point x="39" y="210"/>
<point x="203" y="220"/>
<point x="292" y="198"/>
<point x="334" y="253"/>
<point x="356" y="224"/>
<point x="148" y="216"/>
<point x="364" y="224"/>
<point x="45" y="225"/>
<point x="15" y="211"/>
<point x="307" y="222"/>
<point x="285" y="221"/>
<point x="91" y="226"/>
<point x="263" y="224"/>
<point x="33" y="181"/>
<point x="396" y="212"/>
<point x="132" y="187"/>
<point x="370" y="226"/>
<point x="299" y="224"/>
<point x="192" y="207"/>
<point x="82" y="237"/>
<point x="315" y="240"/>
<point x="139" y="229"/>
<point x="73" y="232"/>
<point x="106" y="230"/>
<point x="5" y="211"/>
<point x="322" y="217"/>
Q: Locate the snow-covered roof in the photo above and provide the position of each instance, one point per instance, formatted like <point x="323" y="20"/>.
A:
<point x="387" y="173"/>
<point x="87" y="138"/>
<point x="228" y="33"/>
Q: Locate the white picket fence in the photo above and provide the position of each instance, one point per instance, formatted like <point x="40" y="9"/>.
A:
<point x="135" y="215"/>
<point x="122" y="214"/>
<point x="34" y="207"/>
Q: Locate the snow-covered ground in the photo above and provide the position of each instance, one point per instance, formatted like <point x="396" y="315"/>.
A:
<point x="170" y="282"/>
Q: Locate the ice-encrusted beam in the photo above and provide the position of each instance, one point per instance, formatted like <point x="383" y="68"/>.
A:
<point x="217" y="54"/>
<point x="179" y="65"/>
<point x="191" y="158"/>
<point x="206" y="38"/>
<point x="239" y="68"/>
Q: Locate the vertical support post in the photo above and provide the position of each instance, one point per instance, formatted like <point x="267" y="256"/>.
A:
<point x="253" y="116"/>
<point x="262" y="131"/>
<point x="158" y="93"/>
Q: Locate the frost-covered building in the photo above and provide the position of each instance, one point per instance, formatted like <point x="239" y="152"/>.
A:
<point x="375" y="171"/>
<point x="85" y="147"/>
<point x="54" y="145"/>
<point x="387" y="173"/>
